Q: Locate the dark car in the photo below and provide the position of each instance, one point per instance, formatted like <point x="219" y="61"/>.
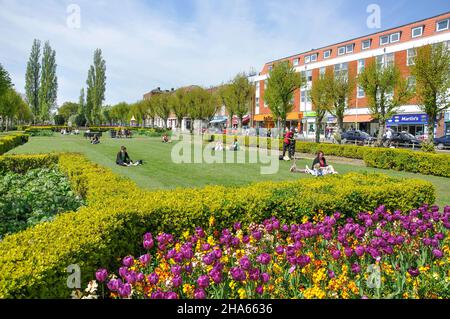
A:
<point x="404" y="139"/>
<point x="358" y="136"/>
<point x="442" y="142"/>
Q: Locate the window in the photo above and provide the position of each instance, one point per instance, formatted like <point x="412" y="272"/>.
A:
<point x="326" y="54"/>
<point x="265" y="84"/>
<point x="314" y="57"/>
<point x="384" y="40"/>
<point x="361" y="65"/>
<point x="307" y="59"/>
<point x="302" y="96"/>
<point x="309" y="75"/>
<point x="442" y="25"/>
<point x="257" y="86"/>
<point x="366" y="44"/>
<point x="341" y="69"/>
<point x="385" y="59"/>
<point x="395" y="37"/>
<point x="411" y="82"/>
<point x="349" y="48"/>
<point x="360" y="92"/>
<point x="416" y="32"/>
<point x="410" y="55"/>
<point x="322" y="71"/>
<point x="257" y="102"/>
<point x="341" y="50"/>
<point x="270" y="68"/>
<point x="296" y="61"/>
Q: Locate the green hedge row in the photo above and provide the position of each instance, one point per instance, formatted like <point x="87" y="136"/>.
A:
<point x="386" y="158"/>
<point x="33" y="263"/>
<point x="8" y="142"/>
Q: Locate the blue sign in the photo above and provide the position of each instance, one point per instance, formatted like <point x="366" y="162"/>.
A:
<point x="331" y="119"/>
<point x="408" y="119"/>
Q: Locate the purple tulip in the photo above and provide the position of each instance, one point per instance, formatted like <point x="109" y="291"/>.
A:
<point x="245" y="263"/>
<point x="125" y="291"/>
<point x="176" y="269"/>
<point x="208" y="259"/>
<point x="140" y="277"/>
<point x="171" y="295"/>
<point x="144" y="259"/>
<point x="148" y="243"/>
<point x="348" y="251"/>
<point x="331" y="273"/>
<point x="216" y="275"/>
<point x="257" y="235"/>
<point x="264" y="258"/>
<point x="101" y="275"/>
<point x="199" y="293"/>
<point x="128" y="261"/>
<point x="356" y="268"/>
<point x="153" y="278"/>
<point x="245" y="239"/>
<point x="123" y="271"/>
<point x="426" y="241"/>
<point x="336" y="254"/>
<point x="259" y="290"/>
<point x="237" y="226"/>
<point x="157" y="295"/>
<point x="114" y="284"/>
<point x="359" y="251"/>
<point x="203" y="281"/>
<point x="265" y="277"/>
<point x="279" y="250"/>
<point x="217" y="253"/>
<point x="206" y="247"/>
<point x="148" y="236"/>
<point x="437" y="253"/>
<point x="414" y="272"/>
<point x="177" y="281"/>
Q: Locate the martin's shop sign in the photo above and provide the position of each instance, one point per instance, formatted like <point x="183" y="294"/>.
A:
<point x="405" y="119"/>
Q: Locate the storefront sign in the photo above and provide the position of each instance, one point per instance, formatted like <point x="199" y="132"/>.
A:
<point x="447" y="117"/>
<point x="310" y="114"/>
<point x="331" y="119"/>
<point x="408" y="119"/>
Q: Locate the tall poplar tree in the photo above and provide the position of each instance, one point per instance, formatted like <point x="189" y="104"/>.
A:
<point x="96" y="86"/>
<point x="48" y="89"/>
<point x="32" y="79"/>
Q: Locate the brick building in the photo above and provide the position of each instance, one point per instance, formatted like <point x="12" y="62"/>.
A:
<point x="395" y="45"/>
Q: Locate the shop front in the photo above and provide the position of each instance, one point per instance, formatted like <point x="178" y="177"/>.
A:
<point x="415" y="124"/>
<point x="447" y="123"/>
<point x="362" y="122"/>
<point x="294" y="120"/>
<point x="264" y="121"/>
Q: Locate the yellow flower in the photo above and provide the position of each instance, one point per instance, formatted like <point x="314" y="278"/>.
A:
<point x="405" y="295"/>
<point x="211" y="241"/>
<point x="186" y="234"/>
<point x="276" y="268"/>
<point x="314" y="293"/>
<point x="224" y="259"/>
<point x="241" y="293"/>
<point x="305" y="219"/>
<point x="232" y="285"/>
<point x="212" y="221"/>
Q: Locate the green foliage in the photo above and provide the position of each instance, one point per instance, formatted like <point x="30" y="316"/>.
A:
<point x="48" y="88"/>
<point x="281" y="85"/>
<point x="9" y="142"/>
<point x="5" y="80"/>
<point x="67" y="110"/>
<point x="322" y="100"/>
<point x="96" y="86"/>
<point x="431" y="71"/>
<point x="23" y="163"/>
<point x="34" y="197"/>
<point x="33" y="78"/>
<point x="119" y="213"/>
<point x="59" y="119"/>
<point x="80" y="120"/>
<point x="13" y="108"/>
<point x="240" y="95"/>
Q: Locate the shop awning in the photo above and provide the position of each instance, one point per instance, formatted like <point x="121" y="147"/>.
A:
<point x="245" y="120"/>
<point x="357" y="118"/>
<point x="218" y="119"/>
<point x="294" y="116"/>
<point x="262" y="117"/>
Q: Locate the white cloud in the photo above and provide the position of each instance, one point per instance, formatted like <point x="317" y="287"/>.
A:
<point x="166" y="45"/>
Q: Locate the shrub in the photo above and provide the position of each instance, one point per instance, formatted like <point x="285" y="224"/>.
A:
<point x="8" y="142"/>
<point x="119" y="213"/>
<point x="22" y="163"/>
<point x="80" y="120"/>
<point x="59" y="119"/>
<point x="33" y="197"/>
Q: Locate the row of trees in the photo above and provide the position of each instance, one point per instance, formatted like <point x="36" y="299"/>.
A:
<point x="12" y="107"/>
<point x="41" y="82"/>
<point x="384" y="86"/>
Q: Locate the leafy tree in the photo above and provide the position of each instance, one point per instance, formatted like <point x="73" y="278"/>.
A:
<point x="120" y="112"/>
<point x="139" y="109"/>
<point x="241" y="92"/>
<point x="150" y="110"/>
<point x="225" y="94"/>
<point x="5" y="80"/>
<point x="178" y="105"/>
<point x="106" y="114"/>
<point x="48" y="88"/>
<point x="385" y="90"/>
<point x="81" y="103"/>
<point x="200" y="106"/>
<point x="80" y="120"/>
<point x="281" y="85"/>
<point x="431" y="70"/>
<point x="96" y="86"/>
<point x="162" y="107"/>
<point x="340" y="89"/>
<point x="321" y="99"/>
<point x="59" y="119"/>
<point x="68" y="109"/>
<point x="10" y="103"/>
<point x="33" y="78"/>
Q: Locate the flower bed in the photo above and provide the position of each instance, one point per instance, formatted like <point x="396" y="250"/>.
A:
<point x="118" y="212"/>
<point x="8" y="142"/>
<point x="380" y="254"/>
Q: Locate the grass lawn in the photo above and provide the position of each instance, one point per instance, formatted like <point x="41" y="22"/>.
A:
<point x="160" y="172"/>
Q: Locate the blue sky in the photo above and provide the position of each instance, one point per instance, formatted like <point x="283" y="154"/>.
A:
<point x="148" y="44"/>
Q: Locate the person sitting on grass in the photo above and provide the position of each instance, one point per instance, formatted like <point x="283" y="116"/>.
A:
<point x="320" y="159"/>
<point x="123" y="159"/>
<point x="219" y="146"/>
<point x="95" y="140"/>
<point x="235" y="145"/>
<point x="165" y="139"/>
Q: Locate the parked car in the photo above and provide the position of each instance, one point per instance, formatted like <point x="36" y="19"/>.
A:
<point x="403" y="139"/>
<point x="442" y="142"/>
<point x="358" y="136"/>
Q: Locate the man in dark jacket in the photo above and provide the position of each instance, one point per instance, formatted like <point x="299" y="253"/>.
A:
<point x="122" y="158"/>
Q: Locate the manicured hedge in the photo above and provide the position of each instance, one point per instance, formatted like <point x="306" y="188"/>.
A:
<point x="8" y="142"/>
<point x="387" y="158"/>
<point x="33" y="262"/>
<point x="22" y="163"/>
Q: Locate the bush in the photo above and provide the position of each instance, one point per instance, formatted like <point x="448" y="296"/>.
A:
<point x="119" y="213"/>
<point x="80" y="120"/>
<point x="8" y="142"/>
<point x="22" y="163"/>
<point x="59" y="119"/>
<point x="33" y="197"/>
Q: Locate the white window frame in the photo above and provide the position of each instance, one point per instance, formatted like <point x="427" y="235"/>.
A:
<point x="322" y="71"/>
<point x="302" y="96"/>
<point x="352" y="45"/>
<point x="366" y="41"/>
<point x="307" y="75"/>
<point x="307" y="59"/>
<point x="417" y="28"/>
<point x="326" y="54"/>
<point x="360" y="68"/>
<point x="313" y="57"/>
<point x="411" y="80"/>
<point x="341" y="52"/>
<point x="408" y="56"/>
<point x="384" y="37"/>
<point x="296" y="61"/>
<point x="393" y="34"/>
<point x="270" y="68"/>
<point x="360" y="95"/>
<point x="446" y="28"/>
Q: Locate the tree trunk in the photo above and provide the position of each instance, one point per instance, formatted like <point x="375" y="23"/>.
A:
<point x="340" y="128"/>
<point x="381" y="132"/>
<point x="318" y="120"/>
<point x="431" y="122"/>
